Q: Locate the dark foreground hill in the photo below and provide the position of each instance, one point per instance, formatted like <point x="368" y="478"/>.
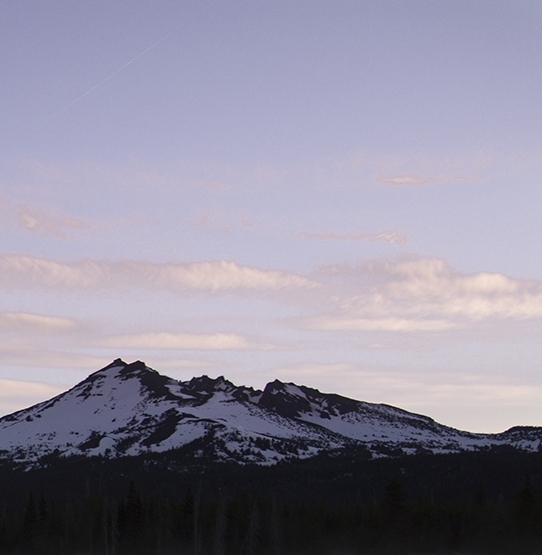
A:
<point x="483" y="502"/>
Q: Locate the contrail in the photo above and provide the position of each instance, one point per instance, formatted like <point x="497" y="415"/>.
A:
<point x="107" y="78"/>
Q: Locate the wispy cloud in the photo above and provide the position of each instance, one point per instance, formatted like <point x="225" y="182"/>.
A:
<point x="409" y="180"/>
<point x="41" y="222"/>
<point x="17" y="388"/>
<point x="36" y="357"/>
<point x="226" y="222"/>
<point x="389" y="236"/>
<point x="421" y="294"/>
<point x="412" y="294"/>
<point x="427" y="170"/>
<point x="185" y="341"/>
<point x="21" y="271"/>
<point x="11" y="321"/>
<point x="337" y="323"/>
<point x="416" y="169"/>
<point x="16" y="395"/>
<point x="38" y="220"/>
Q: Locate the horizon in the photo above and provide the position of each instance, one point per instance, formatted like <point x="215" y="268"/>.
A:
<point x="342" y="196"/>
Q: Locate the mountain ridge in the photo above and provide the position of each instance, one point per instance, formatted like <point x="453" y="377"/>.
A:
<point x="129" y="409"/>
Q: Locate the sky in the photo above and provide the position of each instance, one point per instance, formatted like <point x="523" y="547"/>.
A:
<point x="345" y="195"/>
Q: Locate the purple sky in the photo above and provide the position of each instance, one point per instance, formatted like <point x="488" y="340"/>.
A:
<point x="344" y="194"/>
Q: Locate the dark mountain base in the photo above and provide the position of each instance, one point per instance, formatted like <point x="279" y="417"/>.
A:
<point x="487" y="502"/>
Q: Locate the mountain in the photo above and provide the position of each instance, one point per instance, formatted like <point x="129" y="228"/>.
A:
<point x="130" y="409"/>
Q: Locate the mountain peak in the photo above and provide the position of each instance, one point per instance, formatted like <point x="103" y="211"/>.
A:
<point x="115" y="364"/>
<point x="284" y="399"/>
<point x="129" y="409"/>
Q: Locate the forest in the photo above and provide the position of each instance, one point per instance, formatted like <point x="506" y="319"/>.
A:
<point x="489" y="502"/>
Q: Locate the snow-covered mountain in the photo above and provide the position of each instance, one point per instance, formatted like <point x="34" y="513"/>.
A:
<point x="130" y="409"/>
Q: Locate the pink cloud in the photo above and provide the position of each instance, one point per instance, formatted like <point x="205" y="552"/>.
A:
<point x="390" y="236"/>
<point x="408" y="180"/>
<point x="38" y="220"/>
<point x="23" y="271"/>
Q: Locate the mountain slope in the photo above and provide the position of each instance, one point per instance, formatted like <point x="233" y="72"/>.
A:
<point x="130" y="409"/>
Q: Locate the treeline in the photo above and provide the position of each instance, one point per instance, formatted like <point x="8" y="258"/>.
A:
<point x="341" y="504"/>
<point x="331" y="479"/>
<point x="238" y="522"/>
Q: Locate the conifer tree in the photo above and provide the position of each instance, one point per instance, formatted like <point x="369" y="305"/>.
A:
<point x="30" y="518"/>
<point x="186" y="520"/>
<point x="219" y="546"/>
<point x="130" y="521"/>
<point x="276" y="535"/>
<point x="528" y="515"/>
<point x="253" y="532"/>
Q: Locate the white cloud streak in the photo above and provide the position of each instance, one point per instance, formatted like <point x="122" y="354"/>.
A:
<point x="421" y="294"/>
<point x="334" y="323"/>
<point x="185" y="341"/>
<point x="41" y="222"/>
<point x="17" y="388"/>
<point x="51" y="223"/>
<point x="390" y="236"/>
<point x="21" y="271"/>
<point x="16" y="395"/>
<point x="412" y="294"/>
<point x="38" y="220"/>
<point x="409" y="180"/>
<point x="11" y="321"/>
